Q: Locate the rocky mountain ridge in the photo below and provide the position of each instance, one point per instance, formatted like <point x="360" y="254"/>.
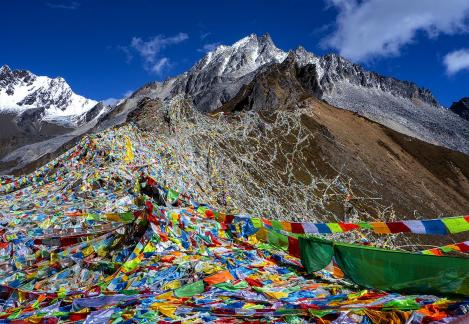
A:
<point x="461" y="108"/>
<point x="400" y="105"/>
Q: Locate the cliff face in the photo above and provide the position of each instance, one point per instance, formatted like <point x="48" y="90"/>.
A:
<point x="461" y="108"/>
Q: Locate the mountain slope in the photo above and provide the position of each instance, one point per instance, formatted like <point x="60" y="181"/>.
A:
<point x="301" y="163"/>
<point x="402" y="170"/>
<point x="400" y="105"/>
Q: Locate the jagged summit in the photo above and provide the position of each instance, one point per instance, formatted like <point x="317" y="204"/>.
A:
<point x="243" y="57"/>
<point x="219" y="75"/>
<point x="236" y="65"/>
<point x="337" y="68"/>
<point x="263" y="39"/>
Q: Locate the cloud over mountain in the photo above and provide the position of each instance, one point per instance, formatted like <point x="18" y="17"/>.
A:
<point x="456" y="61"/>
<point x="150" y="50"/>
<point x="373" y="28"/>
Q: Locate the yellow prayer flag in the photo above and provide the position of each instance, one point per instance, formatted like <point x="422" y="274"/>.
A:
<point x="166" y="309"/>
<point x="129" y="154"/>
<point x="276" y="294"/>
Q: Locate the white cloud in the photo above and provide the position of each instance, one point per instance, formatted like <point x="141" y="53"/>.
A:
<point x="115" y="101"/>
<point x="128" y="93"/>
<point x="209" y="47"/>
<point x="456" y="61"/>
<point x="372" y="28"/>
<point x="151" y="49"/>
<point x="110" y="101"/>
<point x="160" y="65"/>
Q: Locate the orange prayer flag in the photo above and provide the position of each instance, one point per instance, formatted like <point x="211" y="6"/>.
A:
<point x="219" y="278"/>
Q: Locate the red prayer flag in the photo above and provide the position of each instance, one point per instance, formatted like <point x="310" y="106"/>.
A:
<point x="293" y="247"/>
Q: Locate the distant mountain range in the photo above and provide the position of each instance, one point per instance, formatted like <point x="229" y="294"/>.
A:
<point x="39" y="114"/>
<point x="52" y="99"/>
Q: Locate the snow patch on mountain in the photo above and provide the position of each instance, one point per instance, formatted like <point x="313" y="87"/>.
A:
<point x="220" y="74"/>
<point x="22" y="90"/>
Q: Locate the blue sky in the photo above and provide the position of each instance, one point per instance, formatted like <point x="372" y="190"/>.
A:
<point x="106" y="48"/>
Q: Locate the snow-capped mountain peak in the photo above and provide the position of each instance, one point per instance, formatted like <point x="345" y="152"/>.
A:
<point x="220" y="74"/>
<point x="243" y="57"/>
<point x="21" y="90"/>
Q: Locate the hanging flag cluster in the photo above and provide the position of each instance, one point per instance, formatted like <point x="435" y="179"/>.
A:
<point x="458" y="247"/>
<point x="442" y="226"/>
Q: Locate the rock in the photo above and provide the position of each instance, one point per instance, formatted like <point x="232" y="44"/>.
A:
<point x="461" y="108"/>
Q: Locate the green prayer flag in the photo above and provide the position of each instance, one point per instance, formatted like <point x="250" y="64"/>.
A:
<point x="315" y="253"/>
<point x="277" y="239"/>
<point x="402" y="304"/>
<point x="256" y="222"/>
<point x="276" y="225"/>
<point x="230" y="287"/>
<point x="456" y="224"/>
<point x="403" y="271"/>
<point x="127" y="217"/>
<point x="335" y="228"/>
<point x="190" y="290"/>
<point x="389" y="270"/>
<point x="173" y="195"/>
